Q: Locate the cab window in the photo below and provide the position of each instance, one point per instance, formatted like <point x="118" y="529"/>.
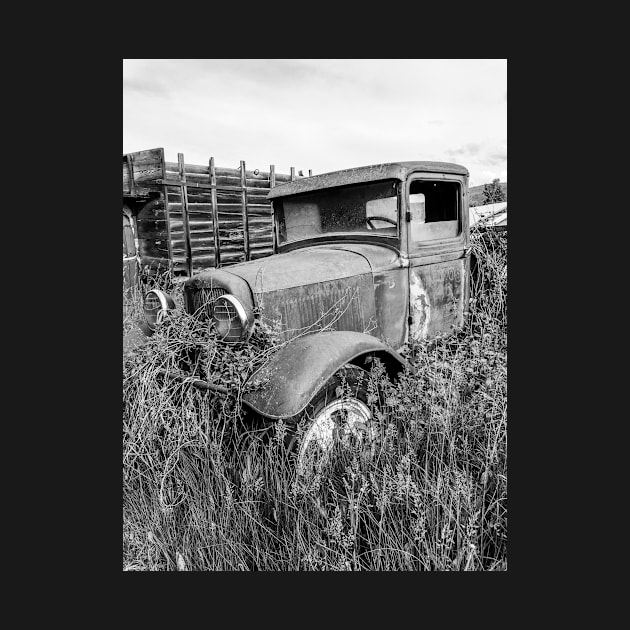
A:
<point x="435" y="210"/>
<point x="368" y="209"/>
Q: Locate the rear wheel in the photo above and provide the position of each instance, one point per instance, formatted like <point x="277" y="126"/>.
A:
<point x="338" y="417"/>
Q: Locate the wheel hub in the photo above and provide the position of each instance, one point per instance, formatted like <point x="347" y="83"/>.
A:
<point x="339" y="422"/>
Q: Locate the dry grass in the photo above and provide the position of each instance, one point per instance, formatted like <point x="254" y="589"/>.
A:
<point x="204" y="489"/>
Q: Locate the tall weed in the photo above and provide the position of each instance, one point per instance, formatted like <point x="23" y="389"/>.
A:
<point x="205" y="488"/>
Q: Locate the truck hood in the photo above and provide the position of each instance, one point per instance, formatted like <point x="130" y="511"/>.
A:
<point x="313" y="265"/>
<point x="307" y="289"/>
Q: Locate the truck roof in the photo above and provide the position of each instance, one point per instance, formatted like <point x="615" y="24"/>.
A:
<point x="361" y="174"/>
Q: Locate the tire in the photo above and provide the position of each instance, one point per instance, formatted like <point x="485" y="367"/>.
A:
<point x="338" y="416"/>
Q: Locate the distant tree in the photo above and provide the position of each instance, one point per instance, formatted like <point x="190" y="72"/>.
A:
<point x="493" y="193"/>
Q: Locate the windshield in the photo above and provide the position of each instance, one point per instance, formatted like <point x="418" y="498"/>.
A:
<point x="370" y="209"/>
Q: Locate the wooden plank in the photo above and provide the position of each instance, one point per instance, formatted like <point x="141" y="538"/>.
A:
<point x="272" y="171"/>
<point x="245" y="217"/>
<point x="184" y="207"/>
<point x="125" y="176"/>
<point x="167" y="218"/>
<point x="201" y="179"/>
<point x="198" y="252"/>
<point x="195" y="195"/>
<point x="173" y="167"/>
<point x="262" y="253"/>
<point x="146" y="168"/>
<point x="195" y="227"/>
<point x="205" y="218"/>
<point x="215" y="212"/>
<point x="204" y="261"/>
<point x="282" y="178"/>
<point x="260" y="190"/>
<point x="202" y="232"/>
<point x="197" y="246"/>
<point x="152" y="233"/>
<point x="205" y="209"/>
<point x="132" y="180"/>
<point x="230" y="257"/>
<point x="200" y="169"/>
<point x="258" y="237"/>
<point x="236" y="243"/>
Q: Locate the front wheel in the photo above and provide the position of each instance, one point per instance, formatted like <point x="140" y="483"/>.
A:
<point x="338" y="416"/>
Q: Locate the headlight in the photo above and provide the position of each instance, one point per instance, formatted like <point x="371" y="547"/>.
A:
<point x="156" y="304"/>
<point x="230" y="318"/>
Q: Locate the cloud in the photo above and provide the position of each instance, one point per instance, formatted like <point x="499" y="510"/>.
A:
<point x="265" y="74"/>
<point x="149" y="87"/>
<point x="470" y="149"/>
<point x="497" y="158"/>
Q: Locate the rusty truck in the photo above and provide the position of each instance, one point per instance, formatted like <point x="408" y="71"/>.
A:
<point x="384" y="246"/>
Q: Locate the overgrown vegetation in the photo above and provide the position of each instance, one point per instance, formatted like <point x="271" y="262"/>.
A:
<point x="204" y="489"/>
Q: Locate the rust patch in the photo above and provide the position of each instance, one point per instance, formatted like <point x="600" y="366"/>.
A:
<point x="420" y="308"/>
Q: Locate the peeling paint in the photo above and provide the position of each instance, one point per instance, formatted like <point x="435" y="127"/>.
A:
<point x="420" y="307"/>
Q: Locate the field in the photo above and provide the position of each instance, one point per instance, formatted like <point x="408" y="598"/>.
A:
<point x="206" y="488"/>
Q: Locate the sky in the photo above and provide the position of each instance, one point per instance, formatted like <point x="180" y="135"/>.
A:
<point x="320" y="114"/>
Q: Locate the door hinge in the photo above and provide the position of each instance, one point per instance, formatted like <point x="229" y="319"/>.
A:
<point x="409" y="320"/>
<point x="408" y="217"/>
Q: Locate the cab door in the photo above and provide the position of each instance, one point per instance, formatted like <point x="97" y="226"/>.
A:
<point x="437" y="240"/>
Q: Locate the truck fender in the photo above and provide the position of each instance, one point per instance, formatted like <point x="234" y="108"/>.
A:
<point x="288" y="381"/>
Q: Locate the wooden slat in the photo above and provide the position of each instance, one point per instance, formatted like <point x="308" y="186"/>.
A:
<point x="149" y="166"/>
<point x="132" y="180"/>
<point x="253" y="209"/>
<point x="245" y="217"/>
<point x="272" y="178"/>
<point x="199" y="178"/>
<point x="215" y="212"/>
<point x="224" y="211"/>
<point x="223" y="196"/>
<point x="184" y="194"/>
<point x="167" y="217"/>
<point x="198" y="252"/>
<point x="260" y="190"/>
<point x="196" y="235"/>
<point x="198" y="169"/>
<point x="144" y="169"/>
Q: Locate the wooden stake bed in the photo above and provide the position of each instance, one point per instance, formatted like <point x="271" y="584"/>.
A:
<point x="190" y="217"/>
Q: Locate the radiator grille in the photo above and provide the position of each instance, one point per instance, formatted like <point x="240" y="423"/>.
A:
<point x="202" y="300"/>
<point x="225" y="310"/>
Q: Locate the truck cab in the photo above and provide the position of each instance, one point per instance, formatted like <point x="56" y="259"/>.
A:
<point x="404" y="224"/>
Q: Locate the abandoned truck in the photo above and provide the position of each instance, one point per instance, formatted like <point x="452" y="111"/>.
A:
<point x="383" y="250"/>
